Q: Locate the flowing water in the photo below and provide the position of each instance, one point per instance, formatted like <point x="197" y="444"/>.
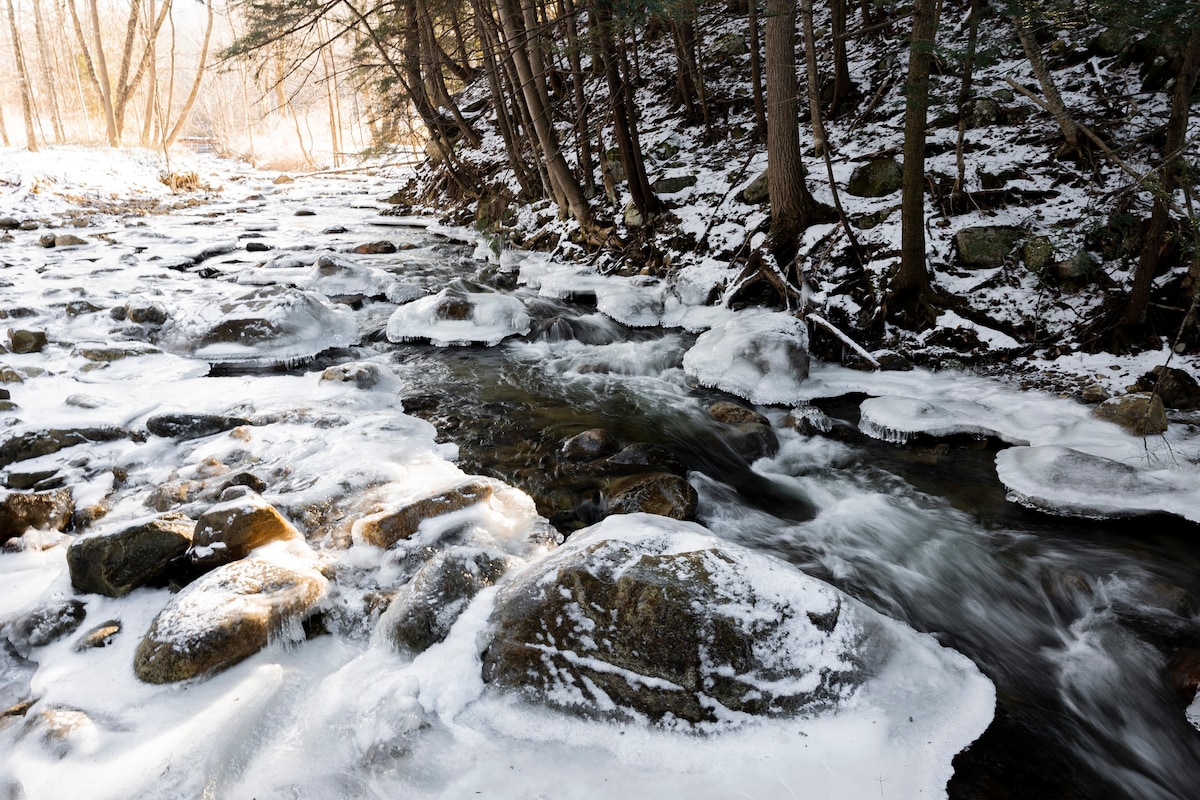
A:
<point x="1074" y="621"/>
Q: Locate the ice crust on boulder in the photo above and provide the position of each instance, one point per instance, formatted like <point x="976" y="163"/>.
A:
<point x="1061" y="480"/>
<point x="760" y="356"/>
<point x="263" y="327"/>
<point x="897" y="419"/>
<point x="482" y="318"/>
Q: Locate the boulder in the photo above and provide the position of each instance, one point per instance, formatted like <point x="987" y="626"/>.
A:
<point x="34" y="443"/>
<point x="46" y="623"/>
<point x="114" y="564"/>
<point x="241" y="522"/>
<point x="1177" y="388"/>
<point x="733" y="414"/>
<point x="1078" y="269"/>
<point x="375" y="248"/>
<point x="1037" y="254"/>
<point x="1140" y="413"/>
<point x="661" y="493"/>
<point x="20" y="511"/>
<point x="362" y="375"/>
<point x="643" y="618"/>
<point x="146" y="312"/>
<point x="808" y="420"/>
<point x="876" y="178"/>
<point x="752" y="440"/>
<point x="589" y="445"/>
<point x="986" y="246"/>
<point x="421" y="613"/>
<point x="255" y="246"/>
<point x="671" y="185"/>
<point x="192" y="426"/>
<point x="9" y="223"/>
<point x="727" y="49"/>
<point x="68" y="240"/>
<point x="756" y="191"/>
<point x="26" y="341"/>
<point x="386" y="528"/>
<point x="280" y="180"/>
<point x="225" y="617"/>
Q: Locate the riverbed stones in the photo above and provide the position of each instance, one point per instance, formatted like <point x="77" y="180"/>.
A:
<point x="116" y="563"/>
<point x="48" y="622"/>
<point x="382" y="247"/>
<point x="986" y="246"/>
<point x="192" y="426"/>
<point x="34" y="443"/>
<point x="362" y="375"/>
<point x="26" y="341"/>
<point x="660" y="493"/>
<point x="421" y="613"/>
<point x="146" y="312"/>
<point x="640" y="618"/>
<point x="734" y="414"/>
<point x="20" y="511"/>
<point x="588" y="445"/>
<point x="225" y="617"/>
<point x="240" y="523"/>
<point x="385" y="528"/>
<point x="1139" y="413"/>
<point x="99" y="636"/>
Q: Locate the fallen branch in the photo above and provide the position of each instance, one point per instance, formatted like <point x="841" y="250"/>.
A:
<point x="843" y="338"/>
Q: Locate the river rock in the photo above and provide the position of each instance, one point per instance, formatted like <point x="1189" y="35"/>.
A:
<point x="671" y="185"/>
<point x="192" y="426"/>
<point x="421" y="613"/>
<point x="99" y="636"/>
<point x="34" y="443"/>
<point x="383" y="247"/>
<point x="26" y="341"/>
<point x="1140" y="413"/>
<point x="240" y="523"/>
<point x="146" y="312"/>
<point x="60" y="729"/>
<point x="986" y="246"/>
<point x="362" y="375"/>
<point x="20" y="511"/>
<point x="1177" y="388"/>
<point x="255" y="246"/>
<point x="643" y="618"/>
<point x="878" y="177"/>
<point x="591" y="444"/>
<point x="733" y="414"/>
<point x="9" y="223"/>
<point x="660" y="493"/>
<point x="68" y="240"/>
<point x="386" y="528"/>
<point x="808" y="420"/>
<point x="46" y="623"/>
<point x="225" y="617"/>
<point x="752" y="440"/>
<point x="114" y="564"/>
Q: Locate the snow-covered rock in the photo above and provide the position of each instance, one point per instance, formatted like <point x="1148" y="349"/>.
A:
<point x="761" y="356"/>
<point x="452" y="317"/>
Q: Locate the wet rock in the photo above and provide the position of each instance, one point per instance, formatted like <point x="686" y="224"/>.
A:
<point x="46" y="240"/>
<point x="247" y="479"/>
<point x="114" y="564"/>
<point x="9" y="223"/>
<point x="1177" y="388"/>
<point x="305" y="212"/>
<point x="47" y="623"/>
<point x="663" y="494"/>
<point x="32" y="444"/>
<point x="757" y="191"/>
<point x="108" y="353"/>
<point x="808" y="420"/>
<point x="388" y="527"/>
<point x="1183" y="672"/>
<point x="281" y="180"/>
<point x="20" y="511"/>
<point x="878" y="177"/>
<point x="421" y="613"/>
<point x="192" y="426"/>
<point x="146" y="312"/>
<point x="986" y="246"/>
<point x="26" y="341"/>
<point x="375" y="248"/>
<point x="1141" y="414"/>
<point x="69" y="240"/>
<point x="364" y="376"/>
<point x="234" y="527"/>
<point x="225" y="617"/>
<point x="59" y="729"/>
<point x="333" y="230"/>
<point x="891" y="361"/>
<point x="732" y="413"/>
<point x="589" y="445"/>
<point x="37" y="480"/>
<point x="639" y="620"/>
<point x="255" y="246"/>
<point x="644" y="454"/>
<point x="99" y="636"/>
<point x="1094" y="393"/>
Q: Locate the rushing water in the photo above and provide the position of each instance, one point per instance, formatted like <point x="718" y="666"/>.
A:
<point x="1074" y="621"/>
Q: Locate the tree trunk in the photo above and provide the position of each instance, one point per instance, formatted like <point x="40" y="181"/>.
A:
<point x="101" y="76"/>
<point x="23" y="81"/>
<point x="586" y="161"/>
<point x="957" y="203"/>
<point x="195" y="91"/>
<point x="910" y="287"/>
<point x="792" y="207"/>
<point x="842" y="87"/>
<point x="1187" y="69"/>
<point x="1075" y="145"/>
<point x="756" y="81"/>
<point x="123" y="91"/>
<point x="51" y="85"/>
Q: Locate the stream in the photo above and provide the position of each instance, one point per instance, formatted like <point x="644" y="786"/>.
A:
<point x="1076" y="622"/>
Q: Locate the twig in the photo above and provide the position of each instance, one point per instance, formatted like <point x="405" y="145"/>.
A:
<point x="846" y="340"/>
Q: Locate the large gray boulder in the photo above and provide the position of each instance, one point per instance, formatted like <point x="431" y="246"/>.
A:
<point x="225" y="617"/>
<point x="986" y="246"/>
<point x="878" y="177"/>
<point x="116" y="563"/>
<point x="640" y="617"/>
